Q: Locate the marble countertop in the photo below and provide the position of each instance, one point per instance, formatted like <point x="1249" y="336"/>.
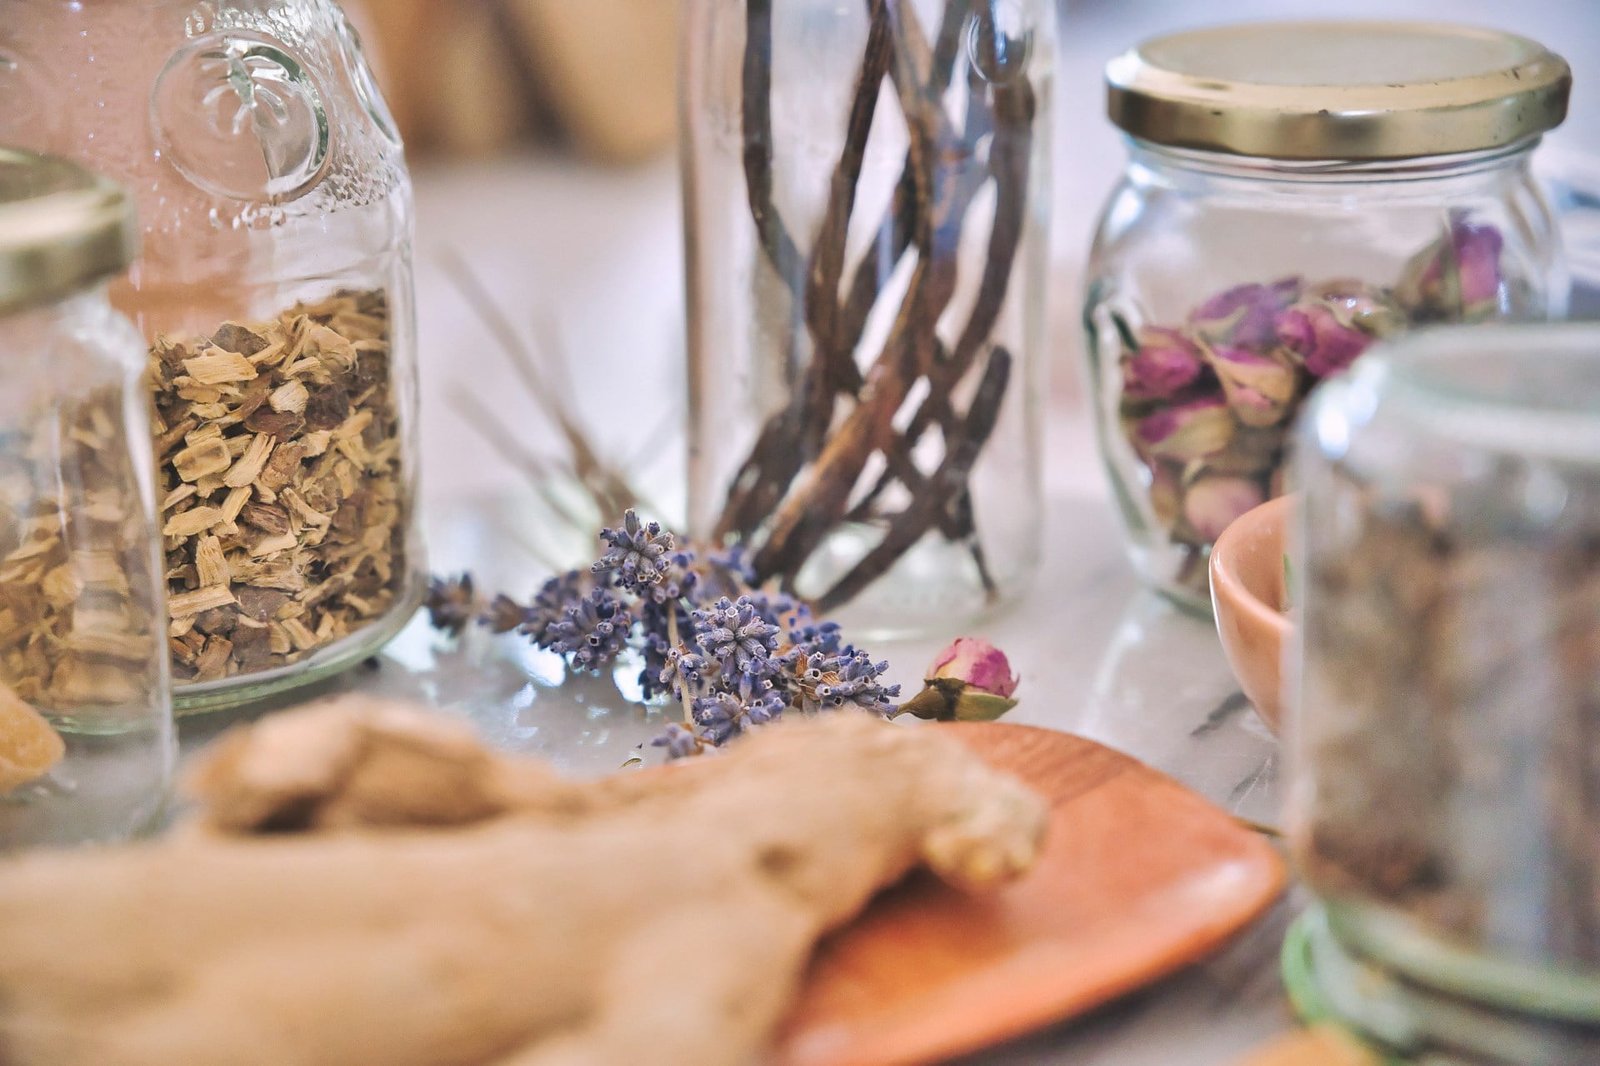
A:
<point x="1097" y="655"/>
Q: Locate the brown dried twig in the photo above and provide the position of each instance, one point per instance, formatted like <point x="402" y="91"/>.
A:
<point x="803" y="477"/>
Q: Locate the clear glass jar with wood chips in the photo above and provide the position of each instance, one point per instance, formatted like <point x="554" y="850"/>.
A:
<point x="86" y="735"/>
<point x="274" y="295"/>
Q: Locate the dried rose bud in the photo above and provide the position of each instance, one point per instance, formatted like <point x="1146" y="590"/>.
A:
<point x="1212" y="503"/>
<point x="1323" y="342"/>
<point x="1187" y="431"/>
<point x="1457" y="276"/>
<point x="1259" y="388"/>
<point x="1166" y="494"/>
<point x="970" y="681"/>
<point x="1245" y="315"/>
<point x="1165" y="363"/>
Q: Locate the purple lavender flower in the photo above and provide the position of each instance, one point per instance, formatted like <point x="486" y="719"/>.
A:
<point x="718" y="715"/>
<point x="684" y="671"/>
<point x="636" y="553"/>
<point x="681" y="742"/>
<point x="504" y="614"/>
<point x="550" y="606"/>
<point x="852" y="679"/>
<point x="1166" y="362"/>
<point x="592" y="631"/>
<point x="450" y="603"/>
<point x="735" y="634"/>
<point x="1245" y="315"/>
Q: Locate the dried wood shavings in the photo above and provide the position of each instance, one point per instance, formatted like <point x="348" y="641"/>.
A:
<point x="284" y="500"/>
<point x="75" y="574"/>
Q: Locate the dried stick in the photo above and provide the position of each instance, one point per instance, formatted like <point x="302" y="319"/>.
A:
<point x="789" y="440"/>
<point x="947" y="484"/>
<point x="757" y="117"/>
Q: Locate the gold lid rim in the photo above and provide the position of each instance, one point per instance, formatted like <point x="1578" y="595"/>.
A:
<point x="62" y="229"/>
<point x="1447" y="116"/>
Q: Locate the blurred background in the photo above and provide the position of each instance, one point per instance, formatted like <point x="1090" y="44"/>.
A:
<point x="542" y="136"/>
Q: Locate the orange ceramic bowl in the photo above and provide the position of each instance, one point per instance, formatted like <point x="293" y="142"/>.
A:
<point x="1248" y="595"/>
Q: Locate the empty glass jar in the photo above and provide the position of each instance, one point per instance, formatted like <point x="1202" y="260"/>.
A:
<point x="274" y="295"/>
<point x="866" y="192"/>
<point x="1294" y="192"/>
<point x="1445" y="728"/>
<point x="86" y="738"/>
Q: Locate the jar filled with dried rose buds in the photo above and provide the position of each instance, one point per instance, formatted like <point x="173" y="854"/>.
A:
<point x="86" y="737"/>
<point x="274" y="293"/>
<point x="1293" y="192"/>
<point x="1444" y="803"/>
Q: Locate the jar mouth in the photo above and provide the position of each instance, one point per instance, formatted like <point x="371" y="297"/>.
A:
<point x="1311" y="171"/>
<point x="1520" y="388"/>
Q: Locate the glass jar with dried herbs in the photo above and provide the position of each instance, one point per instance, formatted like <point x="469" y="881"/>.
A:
<point x="274" y="293"/>
<point x="866" y="188"/>
<point x="1293" y="192"/>
<point x="86" y="738"/>
<point x="1445" y="727"/>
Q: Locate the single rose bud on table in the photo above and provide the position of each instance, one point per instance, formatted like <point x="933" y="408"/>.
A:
<point x="970" y="681"/>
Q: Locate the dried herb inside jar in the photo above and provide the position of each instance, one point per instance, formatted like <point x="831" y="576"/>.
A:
<point x="283" y="496"/>
<point x="75" y="581"/>
<point x="1452" y="724"/>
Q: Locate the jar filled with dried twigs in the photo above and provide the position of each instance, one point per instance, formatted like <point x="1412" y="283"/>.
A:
<point x="274" y="295"/>
<point x="866" y="193"/>
<point x="86" y="737"/>
<point x="1445" y="796"/>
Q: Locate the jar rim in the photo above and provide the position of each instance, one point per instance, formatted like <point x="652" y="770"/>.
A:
<point x="62" y="229"/>
<point x="1353" y="90"/>
<point x="1516" y="388"/>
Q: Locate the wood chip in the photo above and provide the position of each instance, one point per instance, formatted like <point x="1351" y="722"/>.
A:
<point x="75" y="634"/>
<point x="202" y="599"/>
<point x="251" y="462"/>
<point x="217" y="367"/>
<point x="283" y="485"/>
<point x="191" y="522"/>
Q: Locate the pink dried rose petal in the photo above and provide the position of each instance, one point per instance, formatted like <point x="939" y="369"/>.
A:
<point x="1259" y="388"/>
<point x="978" y="663"/>
<point x="1324" y="343"/>
<point x="1166" y="363"/>
<point x="1245" y="315"/>
<point x="1212" y="503"/>
<point x="1186" y="431"/>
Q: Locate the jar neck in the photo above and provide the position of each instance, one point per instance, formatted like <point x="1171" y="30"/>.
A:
<point x="1159" y="158"/>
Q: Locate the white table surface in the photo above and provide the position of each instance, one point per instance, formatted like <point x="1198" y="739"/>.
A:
<point x="598" y="253"/>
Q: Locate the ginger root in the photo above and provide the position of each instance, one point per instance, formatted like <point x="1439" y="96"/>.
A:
<point x="367" y="884"/>
<point x="29" y="747"/>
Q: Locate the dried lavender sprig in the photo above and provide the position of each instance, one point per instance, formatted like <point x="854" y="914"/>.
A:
<point x="735" y="655"/>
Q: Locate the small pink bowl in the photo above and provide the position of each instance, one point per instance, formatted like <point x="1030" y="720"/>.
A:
<point x="1247" y="596"/>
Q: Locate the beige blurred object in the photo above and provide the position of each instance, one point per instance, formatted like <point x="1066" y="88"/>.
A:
<point x="1322" y="1046"/>
<point x="477" y="77"/>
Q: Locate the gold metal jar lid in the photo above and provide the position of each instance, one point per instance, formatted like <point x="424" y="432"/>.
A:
<point x="1338" y="90"/>
<point x="62" y="228"/>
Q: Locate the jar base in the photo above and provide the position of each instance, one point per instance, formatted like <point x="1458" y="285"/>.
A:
<point x="1328" y="981"/>
<point x="933" y="590"/>
<point x="235" y="692"/>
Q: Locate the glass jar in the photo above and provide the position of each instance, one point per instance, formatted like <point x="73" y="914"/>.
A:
<point x="1445" y="727"/>
<point x="1293" y="192"/>
<point x="274" y="294"/>
<point x="86" y="738"/>
<point x="865" y="197"/>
